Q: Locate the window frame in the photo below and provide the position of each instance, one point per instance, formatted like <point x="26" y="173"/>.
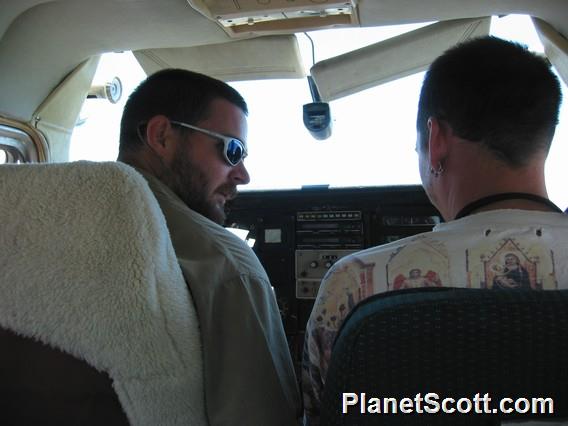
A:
<point x="22" y="143"/>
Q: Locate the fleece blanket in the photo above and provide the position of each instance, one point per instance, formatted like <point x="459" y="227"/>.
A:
<point x="87" y="266"/>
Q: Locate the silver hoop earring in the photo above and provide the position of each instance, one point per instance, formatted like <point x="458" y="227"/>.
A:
<point x="438" y="172"/>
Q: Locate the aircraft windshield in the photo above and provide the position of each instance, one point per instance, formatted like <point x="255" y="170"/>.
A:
<point x="373" y="136"/>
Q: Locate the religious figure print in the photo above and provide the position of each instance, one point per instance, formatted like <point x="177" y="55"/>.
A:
<point x="421" y="263"/>
<point x="511" y="263"/>
<point x="511" y="274"/>
<point x="416" y="279"/>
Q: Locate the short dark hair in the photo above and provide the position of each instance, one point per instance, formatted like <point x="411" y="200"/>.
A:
<point x="493" y="92"/>
<point x="178" y="94"/>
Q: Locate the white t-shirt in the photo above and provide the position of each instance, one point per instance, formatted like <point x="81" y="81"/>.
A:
<point x="495" y="250"/>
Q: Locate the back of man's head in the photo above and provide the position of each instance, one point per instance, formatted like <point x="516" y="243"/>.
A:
<point x="178" y="94"/>
<point x="496" y="93"/>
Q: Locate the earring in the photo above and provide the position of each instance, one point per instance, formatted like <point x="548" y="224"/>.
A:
<point x="438" y="172"/>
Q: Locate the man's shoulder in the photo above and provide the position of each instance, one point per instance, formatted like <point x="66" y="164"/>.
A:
<point x="381" y="254"/>
<point x="197" y="238"/>
<point x="506" y="218"/>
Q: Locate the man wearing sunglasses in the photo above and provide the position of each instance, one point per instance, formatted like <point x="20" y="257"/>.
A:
<point x="185" y="133"/>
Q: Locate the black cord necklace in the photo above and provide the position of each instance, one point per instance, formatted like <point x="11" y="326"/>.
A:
<point x="482" y="202"/>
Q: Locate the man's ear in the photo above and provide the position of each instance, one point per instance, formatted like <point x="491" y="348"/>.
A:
<point x="158" y="136"/>
<point x="439" y="134"/>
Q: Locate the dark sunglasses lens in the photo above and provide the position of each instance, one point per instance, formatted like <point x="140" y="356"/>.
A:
<point x="235" y="151"/>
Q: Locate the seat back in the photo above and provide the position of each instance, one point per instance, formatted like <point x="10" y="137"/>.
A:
<point x="94" y="309"/>
<point x="454" y="343"/>
<point x="42" y="385"/>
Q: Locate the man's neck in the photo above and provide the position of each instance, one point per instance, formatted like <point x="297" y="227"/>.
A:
<point x="477" y="181"/>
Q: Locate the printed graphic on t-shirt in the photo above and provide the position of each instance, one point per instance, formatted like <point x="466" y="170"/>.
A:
<point x="421" y="263"/>
<point x="512" y="263"/>
<point x="346" y="285"/>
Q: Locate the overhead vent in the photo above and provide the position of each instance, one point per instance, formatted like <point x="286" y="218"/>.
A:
<point x="246" y="17"/>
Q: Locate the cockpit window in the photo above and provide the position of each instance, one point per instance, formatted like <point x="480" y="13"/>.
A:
<point x="373" y="131"/>
<point x="19" y="146"/>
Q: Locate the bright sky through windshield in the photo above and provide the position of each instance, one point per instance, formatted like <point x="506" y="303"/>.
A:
<point x="373" y="135"/>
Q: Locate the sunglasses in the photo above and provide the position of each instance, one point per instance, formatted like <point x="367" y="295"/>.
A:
<point x="234" y="150"/>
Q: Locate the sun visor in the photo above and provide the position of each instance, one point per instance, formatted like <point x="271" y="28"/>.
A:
<point x="555" y="46"/>
<point x="269" y="57"/>
<point x="392" y="59"/>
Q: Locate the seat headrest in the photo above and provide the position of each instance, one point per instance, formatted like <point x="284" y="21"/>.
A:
<point x="88" y="267"/>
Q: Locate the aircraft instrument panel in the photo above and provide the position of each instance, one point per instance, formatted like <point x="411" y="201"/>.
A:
<point x="299" y="234"/>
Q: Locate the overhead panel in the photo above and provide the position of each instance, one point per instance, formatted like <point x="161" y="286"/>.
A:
<point x="247" y="17"/>
<point x="254" y="59"/>
<point x="392" y="59"/>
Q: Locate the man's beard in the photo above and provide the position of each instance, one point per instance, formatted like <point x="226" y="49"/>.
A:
<point x="190" y="184"/>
